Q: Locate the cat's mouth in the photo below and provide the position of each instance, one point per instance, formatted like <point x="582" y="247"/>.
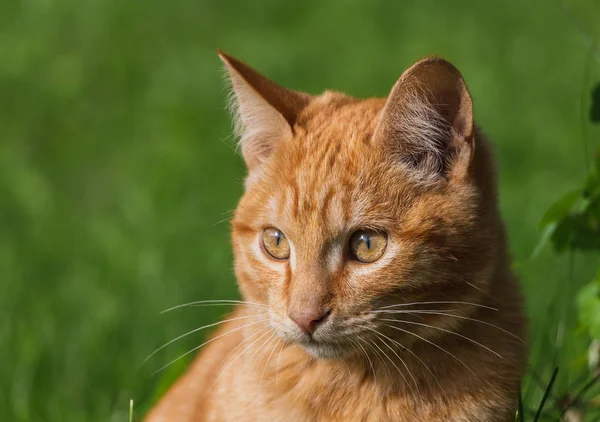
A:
<point x="330" y="340"/>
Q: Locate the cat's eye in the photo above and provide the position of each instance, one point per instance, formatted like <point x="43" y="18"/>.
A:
<point x="367" y="246"/>
<point x="276" y="244"/>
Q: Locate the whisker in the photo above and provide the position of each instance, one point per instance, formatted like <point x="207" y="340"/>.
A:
<point x="444" y="302"/>
<point x="401" y="311"/>
<point x="215" y="302"/>
<point x="278" y="359"/>
<point x="419" y="359"/>
<point x="223" y="220"/>
<point x="398" y="369"/>
<point x="352" y="343"/>
<point x="238" y="356"/>
<point x="207" y="342"/>
<point x="433" y="344"/>
<point x="376" y="353"/>
<point x="279" y="340"/>
<point x="250" y="361"/>
<point x="472" y="285"/>
<point x="401" y="360"/>
<point x="368" y="343"/>
<point x="229" y="216"/>
<point x="264" y="330"/>
<point x="447" y="331"/>
<point x="369" y="360"/>
<point x="456" y="316"/>
<point x="343" y="360"/>
<point x="195" y="330"/>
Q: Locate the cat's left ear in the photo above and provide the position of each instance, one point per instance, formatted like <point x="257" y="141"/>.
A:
<point x="263" y="111"/>
<point x="427" y="121"/>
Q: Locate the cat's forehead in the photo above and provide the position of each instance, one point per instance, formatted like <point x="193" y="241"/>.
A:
<point x="332" y="140"/>
<point x="333" y="134"/>
<point x="331" y="172"/>
<point x="334" y="117"/>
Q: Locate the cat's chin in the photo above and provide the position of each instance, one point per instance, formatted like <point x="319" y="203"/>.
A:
<point x="322" y="350"/>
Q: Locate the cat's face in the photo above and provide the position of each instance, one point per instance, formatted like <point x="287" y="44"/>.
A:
<point x="343" y="218"/>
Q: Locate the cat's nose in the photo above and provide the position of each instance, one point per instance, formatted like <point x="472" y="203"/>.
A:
<point x="308" y="320"/>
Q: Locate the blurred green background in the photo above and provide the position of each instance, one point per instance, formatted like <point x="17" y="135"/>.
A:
<point x="118" y="173"/>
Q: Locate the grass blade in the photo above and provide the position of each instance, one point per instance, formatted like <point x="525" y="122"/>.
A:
<point x="520" y="411"/>
<point x="546" y="394"/>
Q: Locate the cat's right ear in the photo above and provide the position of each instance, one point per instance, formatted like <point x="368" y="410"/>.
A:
<point x="263" y="112"/>
<point x="427" y="122"/>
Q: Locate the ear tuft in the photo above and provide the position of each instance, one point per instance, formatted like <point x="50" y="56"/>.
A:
<point x="425" y="133"/>
<point x="263" y="112"/>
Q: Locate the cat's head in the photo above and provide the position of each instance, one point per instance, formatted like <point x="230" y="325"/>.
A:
<point x="353" y="206"/>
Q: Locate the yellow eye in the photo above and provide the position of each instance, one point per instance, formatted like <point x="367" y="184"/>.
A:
<point x="276" y="244"/>
<point x="367" y="246"/>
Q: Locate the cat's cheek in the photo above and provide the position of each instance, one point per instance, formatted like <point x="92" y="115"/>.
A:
<point x="255" y="272"/>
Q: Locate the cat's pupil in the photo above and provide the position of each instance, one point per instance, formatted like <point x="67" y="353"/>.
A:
<point x="278" y="238"/>
<point x="368" y="240"/>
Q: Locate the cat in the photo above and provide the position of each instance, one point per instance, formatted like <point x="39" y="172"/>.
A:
<point x="372" y="260"/>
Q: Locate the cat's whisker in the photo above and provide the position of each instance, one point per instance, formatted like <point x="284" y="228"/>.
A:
<point x="264" y="321"/>
<point x="223" y="220"/>
<point x="433" y="344"/>
<point x="398" y="369"/>
<point x="455" y="316"/>
<point x="216" y="302"/>
<point x="343" y="360"/>
<point x="264" y="331"/>
<point x="195" y="330"/>
<point x="279" y="340"/>
<point x="416" y="357"/>
<point x="352" y="343"/>
<point x="404" y="364"/>
<point x="474" y="286"/>
<point x="228" y="215"/>
<point x="261" y="330"/>
<point x="369" y="360"/>
<point x="381" y="338"/>
<point x="442" y="302"/>
<point x="375" y="353"/>
<point x="400" y="311"/>
<point x="278" y="360"/>
<point x="447" y="331"/>
<point x="251" y="361"/>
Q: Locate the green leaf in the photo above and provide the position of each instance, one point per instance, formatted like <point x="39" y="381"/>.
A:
<point x="560" y="208"/>
<point x="591" y="186"/>
<point x="579" y="231"/>
<point x="588" y="302"/>
<point x="563" y="233"/>
<point x="544" y="238"/>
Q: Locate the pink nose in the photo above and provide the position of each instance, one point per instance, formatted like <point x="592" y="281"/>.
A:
<point x="309" y="320"/>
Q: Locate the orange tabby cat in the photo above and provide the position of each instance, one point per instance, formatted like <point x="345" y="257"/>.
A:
<point x="372" y="258"/>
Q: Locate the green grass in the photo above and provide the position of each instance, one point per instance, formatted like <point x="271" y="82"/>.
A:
<point x="116" y="167"/>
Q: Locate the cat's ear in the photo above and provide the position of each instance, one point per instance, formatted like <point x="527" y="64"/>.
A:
<point x="263" y="111"/>
<point x="427" y="121"/>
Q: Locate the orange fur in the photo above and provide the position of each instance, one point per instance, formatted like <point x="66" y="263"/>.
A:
<point x="413" y="166"/>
